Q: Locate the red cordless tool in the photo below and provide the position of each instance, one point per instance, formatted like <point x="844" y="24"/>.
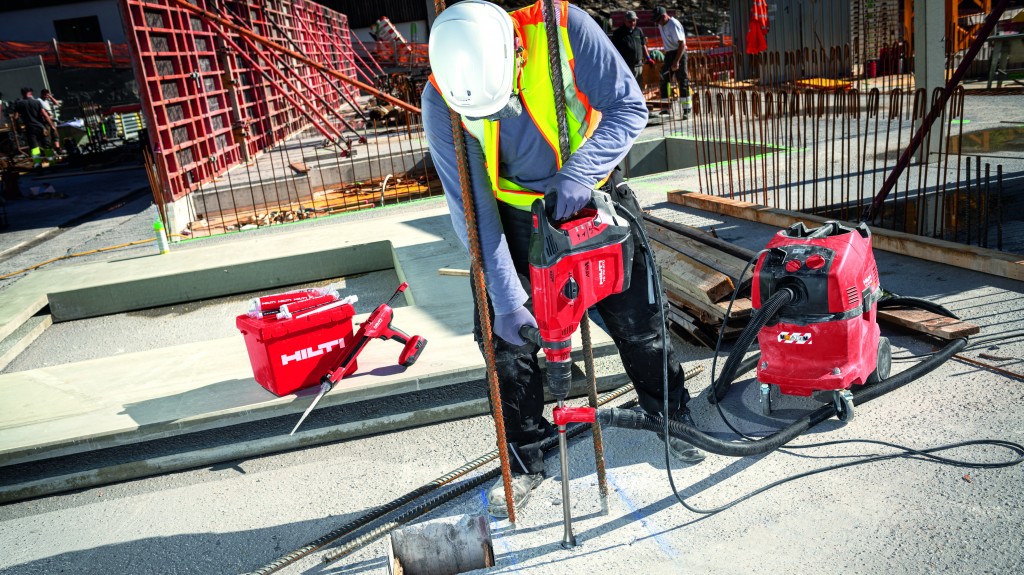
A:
<point x="573" y="265"/>
<point x="377" y="326"/>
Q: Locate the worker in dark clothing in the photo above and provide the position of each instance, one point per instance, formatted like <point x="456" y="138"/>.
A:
<point x="30" y="112"/>
<point x="492" y="68"/>
<point x="631" y="43"/>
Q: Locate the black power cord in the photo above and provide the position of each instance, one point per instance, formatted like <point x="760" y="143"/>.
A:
<point x="908" y="452"/>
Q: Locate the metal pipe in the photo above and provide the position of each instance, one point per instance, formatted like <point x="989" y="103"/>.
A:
<point x="304" y="110"/>
<point x="904" y="160"/>
<point x="337" y="88"/>
<point x="211" y="17"/>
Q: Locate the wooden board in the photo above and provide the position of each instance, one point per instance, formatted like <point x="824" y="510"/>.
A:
<point x="688" y="325"/>
<point x="696" y="279"/>
<point x="967" y="257"/>
<point x="711" y="314"/>
<point x="927" y="322"/>
<point x="453" y="272"/>
<point x="709" y="257"/>
<point x="299" y="167"/>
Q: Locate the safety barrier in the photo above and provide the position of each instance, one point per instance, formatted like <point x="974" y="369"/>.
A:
<point x="70" y="54"/>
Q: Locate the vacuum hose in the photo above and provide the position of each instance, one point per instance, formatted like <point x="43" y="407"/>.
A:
<point x="900" y="301"/>
<point x="630" y="419"/>
<point x="768" y="311"/>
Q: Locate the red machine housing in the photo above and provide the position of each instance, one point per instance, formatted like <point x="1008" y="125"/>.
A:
<point x="828" y="338"/>
<point x="573" y="265"/>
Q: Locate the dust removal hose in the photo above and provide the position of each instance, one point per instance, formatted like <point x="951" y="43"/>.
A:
<point x="629" y="419"/>
<point x="768" y="311"/>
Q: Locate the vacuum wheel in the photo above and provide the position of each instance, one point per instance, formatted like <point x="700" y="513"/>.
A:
<point x="842" y="399"/>
<point x="766" y="399"/>
<point x="883" y="365"/>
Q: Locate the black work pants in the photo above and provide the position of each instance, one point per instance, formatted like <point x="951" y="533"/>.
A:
<point x="681" y="75"/>
<point x="36" y="136"/>
<point x="631" y="320"/>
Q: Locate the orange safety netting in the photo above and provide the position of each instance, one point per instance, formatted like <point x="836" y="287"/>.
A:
<point x="70" y="54"/>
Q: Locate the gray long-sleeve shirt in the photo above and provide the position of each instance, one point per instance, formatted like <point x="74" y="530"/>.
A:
<point x="526" y="158"/>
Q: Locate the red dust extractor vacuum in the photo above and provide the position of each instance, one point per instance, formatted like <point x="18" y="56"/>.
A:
<point x="817" y="292"/>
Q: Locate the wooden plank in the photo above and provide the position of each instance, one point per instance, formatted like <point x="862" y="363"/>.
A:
<point x="707" y="313"/>
<point x="696" y="279"/>
<point x="299" y="167"/>
<point x="927" y="322"/>
<point x="453" y="272"/>
<point x="687" y="324"/>
<point x="934" y="250"/>
<point x="712" y="258"/>
<point x="702" y="237"/>
<point x="742" y="307"/>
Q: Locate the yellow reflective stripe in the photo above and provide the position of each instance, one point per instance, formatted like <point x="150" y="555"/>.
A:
<point x="520" y="200"/>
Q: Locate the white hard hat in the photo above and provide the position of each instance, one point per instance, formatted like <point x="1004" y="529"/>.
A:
<point x="472" y="56"/>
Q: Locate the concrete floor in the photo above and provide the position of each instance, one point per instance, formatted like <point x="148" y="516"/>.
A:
<point x="901" y="516"/>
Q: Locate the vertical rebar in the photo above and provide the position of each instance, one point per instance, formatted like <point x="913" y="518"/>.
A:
<point x="968" y="191"/>
<point x="986" y="202"/>
<point x="979" y="188"/>
<point x="999" y="207"/>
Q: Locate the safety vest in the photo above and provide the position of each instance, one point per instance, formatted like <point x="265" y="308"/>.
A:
<point x="538" y="98"/>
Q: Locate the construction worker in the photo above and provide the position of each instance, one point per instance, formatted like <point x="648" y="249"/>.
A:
<point x="631" y="43"/>
<point x="491" y="67"/>
<point x="673" y="39"/>
<point x="30" y="112"/>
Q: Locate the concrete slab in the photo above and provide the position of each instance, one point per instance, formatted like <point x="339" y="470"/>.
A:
<point x="179" y="389"/>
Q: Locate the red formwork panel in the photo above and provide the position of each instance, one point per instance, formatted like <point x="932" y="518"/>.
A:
<point x="208" y="107"/>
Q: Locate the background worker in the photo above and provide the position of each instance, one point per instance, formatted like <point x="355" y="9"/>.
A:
<point x="50" y="104"/>
<point x="29" y="111"/>
<point x="673" y="39"/>
<point x="492" y="68"/>
<point x="631" y="43"/>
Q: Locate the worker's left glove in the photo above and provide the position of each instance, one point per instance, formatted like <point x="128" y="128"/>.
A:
<point x="570" y="196"/>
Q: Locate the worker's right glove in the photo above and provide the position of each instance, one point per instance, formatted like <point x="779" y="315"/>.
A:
<point x="570" y="196"/>
<point x="507" y="325"/>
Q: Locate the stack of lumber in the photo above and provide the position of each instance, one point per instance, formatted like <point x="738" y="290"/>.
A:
<point x="699" y="272"/>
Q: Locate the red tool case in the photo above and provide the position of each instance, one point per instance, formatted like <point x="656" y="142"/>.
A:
<point x="292" y="354"/>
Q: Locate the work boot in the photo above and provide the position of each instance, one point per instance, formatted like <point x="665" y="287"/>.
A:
<point x="681" y="450"/>
<point x="522" y="487"/>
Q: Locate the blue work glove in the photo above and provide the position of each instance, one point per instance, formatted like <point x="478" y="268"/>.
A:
<point x="570" y="196"/>
<point x="507" y="325"/>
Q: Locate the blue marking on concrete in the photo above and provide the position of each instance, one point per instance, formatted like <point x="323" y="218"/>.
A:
<point x="662" y="542"/>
